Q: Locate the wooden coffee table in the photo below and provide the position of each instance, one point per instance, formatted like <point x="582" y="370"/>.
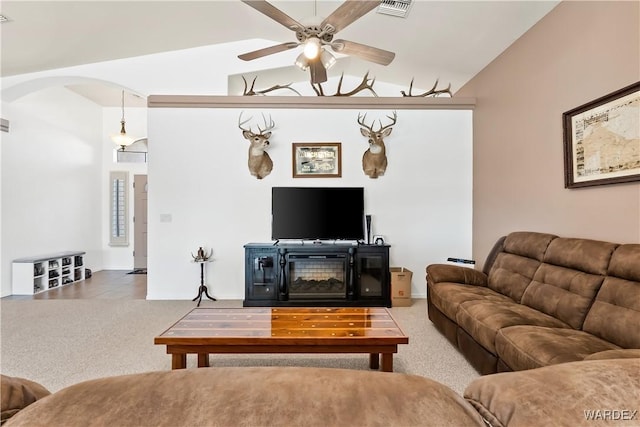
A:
<point x="204" y="331"/>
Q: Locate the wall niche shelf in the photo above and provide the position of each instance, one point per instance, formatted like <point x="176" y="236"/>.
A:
<point x="32" y="275"/>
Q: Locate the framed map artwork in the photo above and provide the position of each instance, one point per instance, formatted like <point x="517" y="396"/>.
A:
<point x="602" y="140"/>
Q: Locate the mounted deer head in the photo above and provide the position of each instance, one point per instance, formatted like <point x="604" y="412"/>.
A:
<point x="260" y="164"/>
<point x="374" y="160"/>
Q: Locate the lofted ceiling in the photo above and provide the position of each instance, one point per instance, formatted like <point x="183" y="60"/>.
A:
<point x="451" y="39"/>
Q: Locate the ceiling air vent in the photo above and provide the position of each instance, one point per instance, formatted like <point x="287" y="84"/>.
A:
<point x="395" y="7"/>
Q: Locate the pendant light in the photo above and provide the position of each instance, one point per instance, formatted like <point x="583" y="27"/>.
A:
<point x="122" y="139"/>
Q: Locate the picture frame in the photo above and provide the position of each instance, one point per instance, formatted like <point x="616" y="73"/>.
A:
<point x="602" y="140"/>
<point x="317" y="159"/>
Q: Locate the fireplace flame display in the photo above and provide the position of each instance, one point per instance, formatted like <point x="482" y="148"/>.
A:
<point x="332" y="285"/>
<point x="317" y="277"/>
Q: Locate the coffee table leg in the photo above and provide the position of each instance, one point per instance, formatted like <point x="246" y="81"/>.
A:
<point x="203" y="360"/>
<point x="387" y="362"/>
<point x="374" y="361"/>
<point x="178" y="361"/>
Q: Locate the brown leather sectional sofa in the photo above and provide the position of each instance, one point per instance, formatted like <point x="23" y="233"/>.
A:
<point x="540" y="300"/>
<point x="592" y="393"/>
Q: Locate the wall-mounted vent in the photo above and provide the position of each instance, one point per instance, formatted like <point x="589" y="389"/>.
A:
<point x="4" y="125"/>
<point x="395" y="7"/>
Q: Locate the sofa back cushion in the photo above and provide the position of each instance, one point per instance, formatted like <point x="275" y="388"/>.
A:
<point x="516" y="265"/>
<point x="567" y="282"/>
<point x="590" y="256"/>
<point x="615" y="313"/>
<point x="625" y="262"/>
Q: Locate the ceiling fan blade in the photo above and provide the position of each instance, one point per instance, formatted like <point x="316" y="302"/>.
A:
<point x="348" y="12"/>
<point x="318" y="72"/>
<point x="274" y="13"/>
<point x="267" y="51"/>
<point x="369" y="53"/>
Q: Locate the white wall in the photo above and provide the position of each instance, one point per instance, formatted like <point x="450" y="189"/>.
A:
<point x="198" y="176"/>
<point x="51" y="165"/>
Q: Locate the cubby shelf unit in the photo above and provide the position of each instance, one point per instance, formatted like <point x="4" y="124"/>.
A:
<point x="32" y="275"/>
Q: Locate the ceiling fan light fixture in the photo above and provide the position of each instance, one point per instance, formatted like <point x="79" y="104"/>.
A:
<point x="302" y="62"/>
<point x="311" y="48"/>
<point x="327" y="59"/>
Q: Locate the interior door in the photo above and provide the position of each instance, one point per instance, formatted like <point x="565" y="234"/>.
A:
<point x="140" y="222"/>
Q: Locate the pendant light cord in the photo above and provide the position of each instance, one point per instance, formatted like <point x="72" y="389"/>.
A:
<point x="122" y="130"/>
<point x="123" y="105"/>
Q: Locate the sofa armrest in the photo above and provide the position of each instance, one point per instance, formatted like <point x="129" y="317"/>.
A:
<point x="566" y="394"/>
<point x="17" y="394"/>
<point x="437" y="273"/>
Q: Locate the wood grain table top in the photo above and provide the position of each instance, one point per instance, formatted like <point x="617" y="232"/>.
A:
<point x="285" y="326"/>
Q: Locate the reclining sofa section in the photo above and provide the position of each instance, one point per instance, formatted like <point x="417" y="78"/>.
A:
<point x="540" y="300"/>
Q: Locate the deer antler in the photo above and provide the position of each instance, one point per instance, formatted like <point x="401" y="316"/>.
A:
<point x="241" y="123"/>
<point x="268" y="126"/>
<point x="361" y="122"/>
<point x="366" y="84"/>
<point x="394" y="119"/>
<point x="252" y="92"/>
<point x="431" y="92"/>
<point x="362" y="118"/>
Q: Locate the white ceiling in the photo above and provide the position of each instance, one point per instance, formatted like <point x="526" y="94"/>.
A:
<point x="450" y="39"/>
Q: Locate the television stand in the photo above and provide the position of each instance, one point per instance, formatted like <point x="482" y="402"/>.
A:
<point x="320" y="274"/>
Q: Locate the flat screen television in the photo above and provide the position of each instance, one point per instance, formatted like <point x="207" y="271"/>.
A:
<point x="317" y="213"/>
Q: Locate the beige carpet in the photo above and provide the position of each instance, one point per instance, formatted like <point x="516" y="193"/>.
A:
<point x="62" y="342"/>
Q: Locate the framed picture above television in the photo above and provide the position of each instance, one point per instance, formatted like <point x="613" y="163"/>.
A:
<point x="317" y="160"/>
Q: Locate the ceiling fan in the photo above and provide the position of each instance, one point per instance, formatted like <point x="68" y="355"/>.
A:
<point x="316" y="37"/>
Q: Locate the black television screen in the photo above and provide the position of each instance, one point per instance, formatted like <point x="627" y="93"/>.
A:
<point x="323" y="213"/>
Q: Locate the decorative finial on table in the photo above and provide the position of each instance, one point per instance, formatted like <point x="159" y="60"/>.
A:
<point x="202" y="255"/>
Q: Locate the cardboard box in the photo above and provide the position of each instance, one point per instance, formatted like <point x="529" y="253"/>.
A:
<point x="400" y="287"/>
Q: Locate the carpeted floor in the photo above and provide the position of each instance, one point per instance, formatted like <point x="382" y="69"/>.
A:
<point x="62" y="342"/>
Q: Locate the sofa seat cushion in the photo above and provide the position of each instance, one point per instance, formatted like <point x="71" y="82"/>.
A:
<point x="447" y="297"/>
<point x="483" y="319"/>
<point x="560" y="395"/>
<point x="529" y="347"/>
<point x="253" y="396"/>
